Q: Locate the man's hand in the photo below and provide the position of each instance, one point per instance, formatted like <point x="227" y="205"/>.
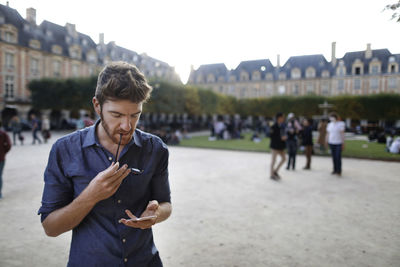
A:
<point x="106" y="183"/>
<point x="151" y="209"/>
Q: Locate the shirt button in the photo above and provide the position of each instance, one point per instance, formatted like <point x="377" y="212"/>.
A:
<point x="110" y="158"/>
<point x="119" y="201"/>
<point x="123" y="240"/>
<point x="125" y="260"/>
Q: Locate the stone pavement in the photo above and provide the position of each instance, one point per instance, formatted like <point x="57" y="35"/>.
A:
<point x="227" y="212"/>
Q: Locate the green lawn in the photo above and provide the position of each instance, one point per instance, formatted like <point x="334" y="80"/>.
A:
<point x="354" y="148"/>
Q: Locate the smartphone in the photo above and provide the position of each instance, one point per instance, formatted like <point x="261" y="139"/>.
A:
<point x="136" y="171"/>
<point x="144" y="218"/>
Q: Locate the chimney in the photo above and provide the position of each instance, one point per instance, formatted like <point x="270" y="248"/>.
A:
<point x="278" y="61"/>
<point x="368" y="52"/>
<point x="71" y="29"/>
<point x="333" y="56"/>
<point x="31" y="15"/>
<point x="7" y="3"/>
<point x="101" y="38"/>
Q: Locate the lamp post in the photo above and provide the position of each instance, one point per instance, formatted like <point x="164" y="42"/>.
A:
<point x="325" y="107"/>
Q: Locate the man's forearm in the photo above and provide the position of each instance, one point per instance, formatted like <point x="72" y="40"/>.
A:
<point x="68" y="217"/>
<point x="163" y="212"/>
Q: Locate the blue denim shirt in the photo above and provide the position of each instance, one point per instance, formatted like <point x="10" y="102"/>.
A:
<point x="99" y="240"/>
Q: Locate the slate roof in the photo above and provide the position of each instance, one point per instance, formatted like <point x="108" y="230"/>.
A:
<point x="264" y="66"/>
<point x="381" y="54"/>
<point x="28" y="31"/>
<point x="218" y="70"/>
<point x="318" y="62"/>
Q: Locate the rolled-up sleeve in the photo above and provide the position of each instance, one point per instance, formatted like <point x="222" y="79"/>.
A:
<point x="160" y="181"/>
<point x="58" y="189"/>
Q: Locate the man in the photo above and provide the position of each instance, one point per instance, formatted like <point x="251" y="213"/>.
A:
<point x="35" y="128"/>
<point x="97" y="192"/>
<point x="335" y="139"/>
<point x="277" y="145"/>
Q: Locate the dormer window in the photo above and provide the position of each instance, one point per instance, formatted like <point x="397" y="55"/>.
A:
<point x="75" y="52"/>
<point x="310" y="72"/>
<point x="210" y="78"/>
<point x="375" y="69"/>
<point x="56" y="49"/>
<point x="9" y="37"/>
<point x="256" y="76"/>
<point x="244" y="76"/>
<point x="34" y="44"/>
<point x="296" y="73"/>
<point x="357" y="70"/>
<point x="325" y="74"/>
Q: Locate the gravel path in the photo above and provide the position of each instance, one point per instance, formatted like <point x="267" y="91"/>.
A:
<point x="227" y="212"/>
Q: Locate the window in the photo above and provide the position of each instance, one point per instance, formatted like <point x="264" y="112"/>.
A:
<point x="296" y="90"/>
<point x="281" y="89"/>
<point x="9" y="86"/>
<point x="392" y="82"/>
<point x="341" y="85"/>
<point x="374" y="83"/>
<point x="232" y="78"/>
<point x="34" y="44"/>
<point x="199" y="79"/>
<point x="282" y="76"/>
<point x="210" y="78"/>
<point x="75" y="70"/>
<point x="9" y="37"/>
<point x="34" y="66"/>
<point x="242" y="92"/>
<point x="56" y="68"/>
<point x="244" y="76"/>
<point x="341" y="71"/>
<point x="263" y="68"/>
<point x="296" y="74"/>
<point x="310" y="88"/>
<point x="374" y="69"/>
<point x="357" y="84"/>
<point x="256" y="76"/>
<point x="325" y="74"/>
<point x="325" y="88"/>
<point x="392" y="68"/>
<point x="310" y="72"/>
<point x="357" y="70"/>
<point x="56" y="49"/>
<point x="269" y="76"/>
<point x="9" y="61"/>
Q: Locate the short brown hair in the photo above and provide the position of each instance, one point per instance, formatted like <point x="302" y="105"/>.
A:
<point x="122" y="81"/>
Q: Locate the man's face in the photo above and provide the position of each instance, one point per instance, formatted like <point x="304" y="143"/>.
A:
<point x="281" y="119"/>
<point x="119" y="117"/>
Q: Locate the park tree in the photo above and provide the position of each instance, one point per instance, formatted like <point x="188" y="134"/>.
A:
<point x="395" y="7"/>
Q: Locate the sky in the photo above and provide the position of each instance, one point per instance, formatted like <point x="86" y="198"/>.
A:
<point x="187" y="33"/>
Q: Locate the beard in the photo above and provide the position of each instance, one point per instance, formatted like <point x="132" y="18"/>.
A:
<point x="115" y="135"/>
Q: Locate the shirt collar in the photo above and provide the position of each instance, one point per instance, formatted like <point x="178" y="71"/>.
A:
<point x="91" y="137"/>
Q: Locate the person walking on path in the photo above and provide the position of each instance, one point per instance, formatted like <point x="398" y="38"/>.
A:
<point x="5" y="146"/>
<point x="307" y="142"/>
<point x="277" y="145"/>
<point x="16" y="128"/>
<point x="322" y="135"/>
<point x="35" y="128"/>
<point x="108" y="183"/>
<point x="335" y="139"/>
<point x="46" y="129"/>
<point x="292" y="130"/>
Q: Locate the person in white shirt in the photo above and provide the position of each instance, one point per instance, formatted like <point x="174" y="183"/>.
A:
<point x="395" y="146"/>
<point x="335" y="139"/>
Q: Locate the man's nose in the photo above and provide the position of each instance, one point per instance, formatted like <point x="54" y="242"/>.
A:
<point x="126" y="125"/>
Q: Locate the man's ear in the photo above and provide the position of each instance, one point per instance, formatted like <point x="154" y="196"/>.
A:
<point x="96" y="105"/>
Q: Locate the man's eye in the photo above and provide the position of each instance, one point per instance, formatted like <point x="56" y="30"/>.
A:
<point x="116" y="115"/>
